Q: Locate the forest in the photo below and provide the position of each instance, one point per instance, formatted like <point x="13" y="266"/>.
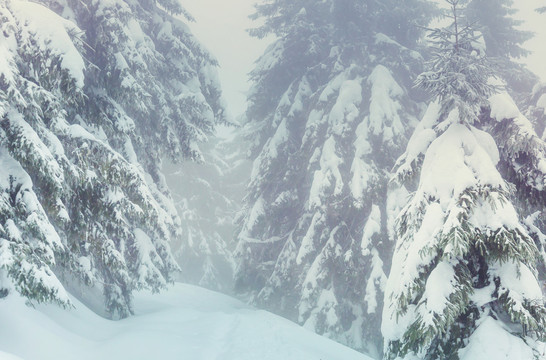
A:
<point x="382" y="195"/>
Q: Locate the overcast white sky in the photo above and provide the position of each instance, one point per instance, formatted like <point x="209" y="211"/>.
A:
<point x="537" y="23"/>
<point x="221" y="27"/>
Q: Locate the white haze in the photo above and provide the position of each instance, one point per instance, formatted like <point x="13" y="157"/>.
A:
<point x="221" y="25"/>
<point x="537" y="23"/>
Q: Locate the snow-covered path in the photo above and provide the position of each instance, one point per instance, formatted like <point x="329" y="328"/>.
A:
<point x="186" y="322"/>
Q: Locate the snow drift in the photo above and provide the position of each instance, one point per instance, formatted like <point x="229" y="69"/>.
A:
<point x="186" y="322"/>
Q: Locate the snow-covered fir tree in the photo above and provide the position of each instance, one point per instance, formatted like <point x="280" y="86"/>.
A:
<point x="330" y="111"/>
<point x="522" y="152"/>
<point x="522" y="163"/>
<point x="41" y="72"/>
<point x="463" y="283"/>
<point x="532" y="153"/>
<point x="91" y="102"/>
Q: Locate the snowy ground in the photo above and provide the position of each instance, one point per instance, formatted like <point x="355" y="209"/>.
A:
<point x="186" y="322"/>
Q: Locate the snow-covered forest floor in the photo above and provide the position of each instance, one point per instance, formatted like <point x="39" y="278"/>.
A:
<point x="185" y="322"/>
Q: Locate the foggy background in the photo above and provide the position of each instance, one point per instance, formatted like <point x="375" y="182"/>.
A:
<point x="221" y="26"/>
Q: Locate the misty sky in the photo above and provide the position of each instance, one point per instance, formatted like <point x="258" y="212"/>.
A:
<point x="221" y="27"/>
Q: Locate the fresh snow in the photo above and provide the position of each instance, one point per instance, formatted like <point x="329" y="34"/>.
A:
<point x="423" y="135"/>
<point x="524" y="139"/>
<point x="439" y="287"/>
<point x="6" y="356"/>
<point x="456" y="161"/>
<point x="372" y="227"/>
<point x="377" y="279"/>
<point x="35" y="216"/>
<point x="329" y="170"/>
<point x="518" y="279"/>
<point x="503" y="107"/>
<point x="507" y="346"/>
<point x="384" y="106"/>
<point x="185" y="322"/>
<point x="52" y="32"/>
<point x="346" y="108"/>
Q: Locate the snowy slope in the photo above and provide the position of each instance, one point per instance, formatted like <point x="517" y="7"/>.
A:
<point x="186" y="322"/>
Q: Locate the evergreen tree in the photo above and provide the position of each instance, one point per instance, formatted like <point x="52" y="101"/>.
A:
<point x="522" y="164"/>
<point x="329" y="113"/>
<point x="35" y="84"/>
<point x="522" y="151"/>
<point x="91" y="105"/>
<point x="464" y="266"/>
<point x="153" y="92"/>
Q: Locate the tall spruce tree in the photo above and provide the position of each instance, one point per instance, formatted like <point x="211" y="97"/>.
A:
<point x="330" y="111"/>
<point x="464" y="269"/>
<point x="90" y="104"/>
